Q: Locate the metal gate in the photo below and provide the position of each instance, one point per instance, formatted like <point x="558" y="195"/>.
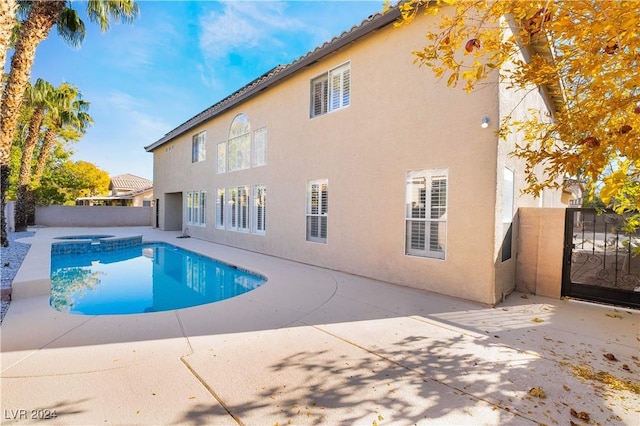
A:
<point x="600" y="263"/>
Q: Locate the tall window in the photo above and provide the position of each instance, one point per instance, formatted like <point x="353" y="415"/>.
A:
<point x="221" y="160"/>
<point x="507" y="213"/>
<point x="198" y="152"/>
<point x="260" y="147"/>
<point x="331" y="91"/>
<point x="196" y="208"/>
<point x="239" y="147"/>
<point x="220" y="207"/>
<point x="259" y="225"/>
<point x="238" y="215"/>
<point x="426" y="213"/>
<point x="317" y="209"/>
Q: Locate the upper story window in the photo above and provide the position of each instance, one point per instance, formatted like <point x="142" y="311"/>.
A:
<point x="239" y="147"/>
<point x="331" y="91"/>
<point x="243" y="149"/>
<point x="198" y="151"/>
<point x="222" y="157"/>
<point x="260" y="147"/>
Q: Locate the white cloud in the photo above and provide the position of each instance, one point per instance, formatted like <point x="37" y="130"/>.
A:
<point x="244" y="25"/>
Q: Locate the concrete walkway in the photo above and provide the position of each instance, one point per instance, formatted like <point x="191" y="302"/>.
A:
<point x="314" y="346"/>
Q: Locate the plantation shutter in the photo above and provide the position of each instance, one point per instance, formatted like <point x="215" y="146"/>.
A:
<point x="317" y="209"/>
<point x="426" y="209"/>
<point x="319" y="89"/>
<point x="340" y="79"/>
<point x="438" y="209"/>
<point x="220" y="208"/>
<point x="260" y="215"/>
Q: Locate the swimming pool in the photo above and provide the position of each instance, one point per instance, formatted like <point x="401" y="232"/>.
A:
<point x="149" y="277"/>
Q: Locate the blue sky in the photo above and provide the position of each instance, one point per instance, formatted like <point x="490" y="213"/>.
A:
<point x="177" y="59"/>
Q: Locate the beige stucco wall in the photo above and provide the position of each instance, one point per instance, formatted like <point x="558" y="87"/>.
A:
<point x="517" y="104"/>
<point x="399" y="119"/>
<point x="541" y="248"/>
<point x="93" y="216"/>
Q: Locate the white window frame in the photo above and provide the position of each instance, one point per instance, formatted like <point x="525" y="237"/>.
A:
<point x="198" y="147"/>
<point x="508" y="208"/>
<point x="238" y="203"/>
<point x="239" y="144"/>
<point x="220" y="208"/>
<point x="221" y="157"/>
<point x="317" y="221"/>
<point x="331" y="91"/>
<point x="259" y="154"/>
<point x="196" y="208"/>
<point x="259" y="214"/>
<point x="426" y="213"/>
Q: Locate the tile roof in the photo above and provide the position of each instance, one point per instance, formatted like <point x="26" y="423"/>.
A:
<point x="281" y="72"/>
<point x="130" y="182"/>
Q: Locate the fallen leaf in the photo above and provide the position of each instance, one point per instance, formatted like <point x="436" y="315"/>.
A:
<point x="565" y="387"/>
<point x="626" y="367"/>
<point x="524" y="296"/>
<point x="582" y="415"/>
<point x="537" y="392"/>
<point x="536" y="319"/>
<point x="614" y="315"/>
<point x="610" y="357"/>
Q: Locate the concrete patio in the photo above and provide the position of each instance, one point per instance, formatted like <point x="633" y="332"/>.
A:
<point x="314" y="346"/>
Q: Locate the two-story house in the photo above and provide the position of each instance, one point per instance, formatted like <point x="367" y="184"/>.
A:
<point x="355" y="159"/>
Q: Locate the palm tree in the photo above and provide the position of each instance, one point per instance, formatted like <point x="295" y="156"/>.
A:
<point x="68" y="115"/>
<point x="38" y="97"/>
<point x="40" y="19"/>
<point x="7" y="21"/>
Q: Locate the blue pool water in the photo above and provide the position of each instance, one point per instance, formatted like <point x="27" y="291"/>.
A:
<point x="145" y="278"/>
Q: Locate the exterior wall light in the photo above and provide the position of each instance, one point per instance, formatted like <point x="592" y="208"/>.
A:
<point x="485" y="122"/>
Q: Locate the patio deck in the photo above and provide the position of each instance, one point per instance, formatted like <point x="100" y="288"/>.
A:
<point x="312" y="346"/>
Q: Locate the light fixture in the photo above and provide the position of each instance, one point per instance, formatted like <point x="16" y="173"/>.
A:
<point x="485" y="122"/>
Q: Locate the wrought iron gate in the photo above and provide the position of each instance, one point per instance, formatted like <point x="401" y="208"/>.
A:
<point x="600" y="263"/>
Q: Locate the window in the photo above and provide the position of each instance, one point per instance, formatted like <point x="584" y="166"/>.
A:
<point x="220" y="208"/>
<point x="238" y="215"/>
<point x="239" y="148"/>
<point x="259" y="225"/>
<point x="198" y="152"/>
<point x="507" y="214"/>
<point x="260" y="147"/>
<point x="426" y="213"/>
<point x="317" y="209"/>
<point x="221" y="160"/>
<point x="196" y="208"/>
<point x="331" y="91"/>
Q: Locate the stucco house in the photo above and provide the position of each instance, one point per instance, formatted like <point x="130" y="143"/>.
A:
<point x="355" y="159"/>
<point x="126" y="190"/>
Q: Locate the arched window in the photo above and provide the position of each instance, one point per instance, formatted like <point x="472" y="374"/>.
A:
<point x="239" y="149"/>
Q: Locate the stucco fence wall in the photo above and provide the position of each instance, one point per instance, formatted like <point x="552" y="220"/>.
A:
<point x="89" y="216"/>
<point x="540" y="251"/>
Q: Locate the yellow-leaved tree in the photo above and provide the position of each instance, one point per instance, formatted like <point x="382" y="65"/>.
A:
<point x="585" y="53"/>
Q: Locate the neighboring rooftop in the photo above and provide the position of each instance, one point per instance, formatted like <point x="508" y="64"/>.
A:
<point x="129" y="182"/>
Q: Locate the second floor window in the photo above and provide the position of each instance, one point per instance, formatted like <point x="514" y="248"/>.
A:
<point x="198" y="152"/>
<point x="331" y="91"/>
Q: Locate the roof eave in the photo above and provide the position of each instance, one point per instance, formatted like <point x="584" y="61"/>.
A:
<point x="240" y="96"/>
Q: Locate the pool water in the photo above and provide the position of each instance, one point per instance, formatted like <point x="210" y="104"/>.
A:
<point x="150" y="277"/>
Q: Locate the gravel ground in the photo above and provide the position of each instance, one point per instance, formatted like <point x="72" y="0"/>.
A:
<point x="11" y="259"/>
